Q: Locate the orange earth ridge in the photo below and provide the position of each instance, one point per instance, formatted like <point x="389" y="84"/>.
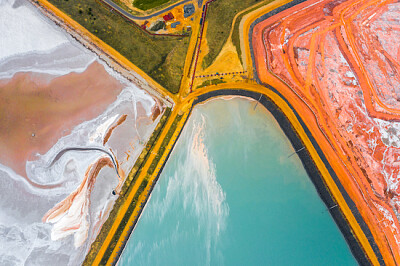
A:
<point x="336" y="62"/>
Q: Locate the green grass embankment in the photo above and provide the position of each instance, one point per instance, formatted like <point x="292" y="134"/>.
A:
<point x="155" y="6"/>
<point x="164" y="144"/>
<point x="235" y="32"/>
<point x="161" y="57"/>
<point x="220" y="16"/>
<point x="126" y="188"/>
<point x="210" y="82"/>
<point x="148" y="4"/>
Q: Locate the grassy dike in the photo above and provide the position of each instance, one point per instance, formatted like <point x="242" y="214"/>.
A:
<point x="235" y="32"/>
<point x="220" y="17"/>
<point x="148" y="4"/>
<point x="210" y="82"/>
<point x="141" y="194"/>
<point x="146" y="7"/>
<point x="161" y="57"/>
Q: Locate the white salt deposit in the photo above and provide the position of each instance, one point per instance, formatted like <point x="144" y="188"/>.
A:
<point x="23" y="31"/>
<point x="31" y="42"/>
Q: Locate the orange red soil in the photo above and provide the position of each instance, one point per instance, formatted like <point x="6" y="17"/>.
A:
<point x="37" y="109"/>
<point x="114" y="126"/>
<point x="69" y="216"/>
<point x="336" y="62"/>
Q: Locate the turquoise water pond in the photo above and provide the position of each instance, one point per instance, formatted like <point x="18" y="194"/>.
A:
<point x="229" y="195"/>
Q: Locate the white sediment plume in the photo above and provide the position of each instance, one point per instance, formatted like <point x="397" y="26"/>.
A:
<point x="193" y="179"/>
<point x="213" y="198"/>
<point x="207" y="194"/>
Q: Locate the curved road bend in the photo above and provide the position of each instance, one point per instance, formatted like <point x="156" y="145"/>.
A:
<point x="63" y="151"/>
<point x="130" y="16"/>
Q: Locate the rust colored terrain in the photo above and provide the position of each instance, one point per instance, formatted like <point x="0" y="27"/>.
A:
<point x="337" y="63"/>
<point x="121" y="120"/>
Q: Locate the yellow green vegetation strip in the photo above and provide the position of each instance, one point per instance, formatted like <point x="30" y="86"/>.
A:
<point x="149" y="4"/>
<point x="108" y="248"/>
<point x="161" y="57"/>
<point x="235" y="27"/>
<point x="220" y="16"/>
<point x="137" y="11"/>
<point x="210" y="82"/>
<point x="126" y="188"/>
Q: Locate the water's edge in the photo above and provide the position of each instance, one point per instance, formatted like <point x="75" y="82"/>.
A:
<point x="308" y="165"/>
<point x="311" y="170"/>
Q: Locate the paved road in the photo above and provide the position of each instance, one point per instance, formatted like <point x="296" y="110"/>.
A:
<point x="130" y="16"/>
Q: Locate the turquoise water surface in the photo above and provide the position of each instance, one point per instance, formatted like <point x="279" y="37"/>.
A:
<point x="230" y="195"/>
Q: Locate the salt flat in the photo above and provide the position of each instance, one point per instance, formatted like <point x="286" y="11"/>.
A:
<point x="57" y="94"/>
<point x="31" y="42"/>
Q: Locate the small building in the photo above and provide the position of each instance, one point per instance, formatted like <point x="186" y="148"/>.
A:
<point x="168" y="17"/>
<point x="158" y="25"/>
<point x="144" y="25"/>
<point x="173" y="25"/>
<point x="188" y="10"/>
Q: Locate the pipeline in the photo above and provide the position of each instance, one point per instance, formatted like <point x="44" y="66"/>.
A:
<point x="63" y="151"/>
